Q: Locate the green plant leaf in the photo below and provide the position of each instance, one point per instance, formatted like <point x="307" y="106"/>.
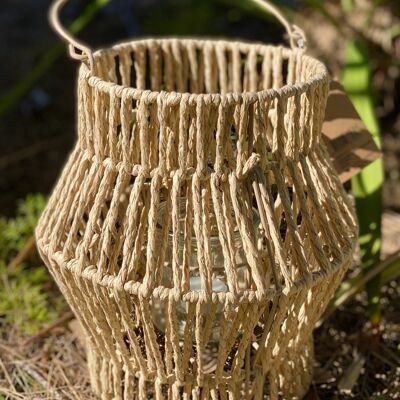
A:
<point x="24" y="302"/>
<point x="367" y="185"/>
<point x="24" y="85"/>
<point x="388" y="269"/>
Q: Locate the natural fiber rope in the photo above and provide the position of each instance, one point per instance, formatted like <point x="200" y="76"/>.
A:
<point x="180" y="141"/>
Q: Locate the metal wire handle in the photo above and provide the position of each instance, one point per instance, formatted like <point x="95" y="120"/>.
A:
<point x="77" y="50"/>
<point x="82" y="52"/>
<point x="297" y="37"/>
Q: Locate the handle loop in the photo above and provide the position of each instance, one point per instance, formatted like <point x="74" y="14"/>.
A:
<point x="77" y="50"/>
<point x="296" y="35"/>
<point x="84" y="53"/>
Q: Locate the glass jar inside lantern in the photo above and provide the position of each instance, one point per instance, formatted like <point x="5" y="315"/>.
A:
<point x="219" y="281"/>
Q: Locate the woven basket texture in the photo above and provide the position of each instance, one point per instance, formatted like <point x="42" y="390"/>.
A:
<point x="188" y="148"/>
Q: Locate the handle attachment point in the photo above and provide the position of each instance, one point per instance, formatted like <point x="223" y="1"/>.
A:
<point x="297" y="37"/>
<point x="77" y="50"/>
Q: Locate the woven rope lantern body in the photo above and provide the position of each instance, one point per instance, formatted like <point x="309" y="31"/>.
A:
<point x="198" y="229"/>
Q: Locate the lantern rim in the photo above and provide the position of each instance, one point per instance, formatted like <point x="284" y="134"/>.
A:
<point x="319" y="76"/>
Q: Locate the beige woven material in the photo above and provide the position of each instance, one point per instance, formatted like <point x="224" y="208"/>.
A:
<point x="225" y="131"/>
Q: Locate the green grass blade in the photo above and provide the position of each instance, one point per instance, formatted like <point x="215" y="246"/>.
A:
<point x="22" y="87"/>
<point x="367" y="185"/>
<point x="388" y="269"/>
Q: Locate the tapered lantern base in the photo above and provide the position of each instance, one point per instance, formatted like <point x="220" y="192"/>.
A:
<point x="289" y="379"/>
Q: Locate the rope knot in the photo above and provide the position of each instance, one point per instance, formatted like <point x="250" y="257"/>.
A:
<point x="249" y="165"/>
<point x="298" y="38"/>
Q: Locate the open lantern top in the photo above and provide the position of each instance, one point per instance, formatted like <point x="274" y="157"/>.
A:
<point x="213" y="70"/>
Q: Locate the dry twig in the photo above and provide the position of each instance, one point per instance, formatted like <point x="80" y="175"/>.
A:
<point x="23" y="253"/>
<point x="43" y="332"/>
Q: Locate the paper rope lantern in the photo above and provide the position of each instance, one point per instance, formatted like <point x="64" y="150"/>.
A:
<point x="198" y="229"/>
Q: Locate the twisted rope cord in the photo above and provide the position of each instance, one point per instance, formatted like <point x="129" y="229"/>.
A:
<point x="221" y="153"/>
